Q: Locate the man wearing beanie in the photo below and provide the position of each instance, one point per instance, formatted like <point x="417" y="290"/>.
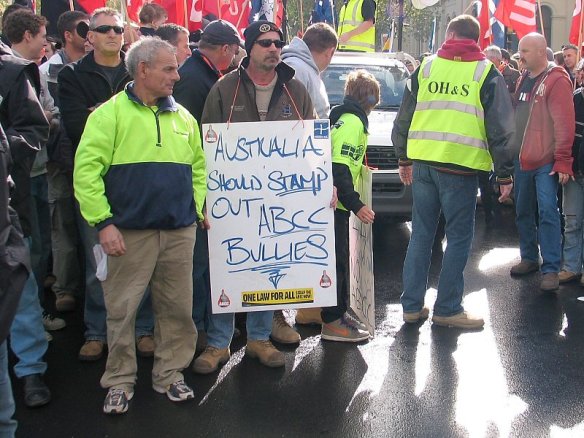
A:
<point x="261" y="89"/>
<point x="219" y="44"/>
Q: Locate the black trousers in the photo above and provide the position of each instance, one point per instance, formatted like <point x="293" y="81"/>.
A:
<point x="330" y="314"/>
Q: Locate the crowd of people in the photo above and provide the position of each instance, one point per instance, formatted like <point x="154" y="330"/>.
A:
<point x="101" y="144"/>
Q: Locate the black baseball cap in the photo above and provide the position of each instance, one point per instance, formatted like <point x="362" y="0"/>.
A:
<point x="220" y="32"/>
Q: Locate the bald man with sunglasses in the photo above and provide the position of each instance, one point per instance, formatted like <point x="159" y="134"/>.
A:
<point x="83" y="86"/>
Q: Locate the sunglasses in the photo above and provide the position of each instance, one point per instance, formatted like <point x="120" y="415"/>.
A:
<point x="106" y="28"/>
<point x="267" y="43"/>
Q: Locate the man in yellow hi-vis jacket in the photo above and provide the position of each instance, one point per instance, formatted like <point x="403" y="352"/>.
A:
<point x="455" y="118"/>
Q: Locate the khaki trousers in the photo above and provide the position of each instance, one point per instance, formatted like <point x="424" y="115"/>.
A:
<point x="163" y="258"/>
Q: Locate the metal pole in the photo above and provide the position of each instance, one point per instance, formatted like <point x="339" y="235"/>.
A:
<point x="400" y="25"/>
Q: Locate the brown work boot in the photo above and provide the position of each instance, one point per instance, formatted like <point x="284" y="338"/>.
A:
<point x="461" y="320"/>
<point x="281" y="330"/>
<point x="145" y="346"/>
<point x="549" y="281"/>
<point x="413" y="317"/>
<point x="265" y="351"/>
<point x="211" y="359"/>
<point x="92" y="350"/>
<point x="524" y="267"/>
<point x="309" y="316"/>
<point x="65" y="303"/>
<point x="567" y="276"/>
<point x="201" y="341"/>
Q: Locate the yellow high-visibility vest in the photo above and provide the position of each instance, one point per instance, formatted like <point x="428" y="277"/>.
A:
<point x="350" y="17"/>
<point x="449" y="122"/>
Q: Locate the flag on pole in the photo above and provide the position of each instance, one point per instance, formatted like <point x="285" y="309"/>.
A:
<point x="497" y="28"/>
<point x="91" y="5"/>
<point x="134" y="7"/>
<point x="576" y="23"/>
<point x="423" y="4"/>
<point x="484" y="17"/>
<point x="432" y="42"/>
<point x="518" y="14"/>
<point x="235" y="11"/>
<point x="52" y="10"/>
<point x="271" y="10"/>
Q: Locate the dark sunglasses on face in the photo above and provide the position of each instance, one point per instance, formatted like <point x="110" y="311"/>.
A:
<point x="106" y="28"/>
<point x="267" y="43"/>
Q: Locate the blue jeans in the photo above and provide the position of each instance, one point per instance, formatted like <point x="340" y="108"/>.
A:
<point x="94" y="315"/>
<point x="573" y="206"/>
<point x="537" y="189"/>
<point x="220" y="330"/>
<point x="454" y="195"/>
<point x="27" y="333"/>
<point x="7" y="423"/>
<point x="40" y="250"/>
<point x="201" y="281"/>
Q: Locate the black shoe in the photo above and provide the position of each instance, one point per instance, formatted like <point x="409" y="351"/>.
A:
<point x="36" y="393"/>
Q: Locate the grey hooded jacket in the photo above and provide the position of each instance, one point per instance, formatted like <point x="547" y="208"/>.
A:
<point x="298" y="56"/>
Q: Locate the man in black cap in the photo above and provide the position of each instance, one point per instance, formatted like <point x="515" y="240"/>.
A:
<point x="262" y="89"/>
<point x="219" y="44"/>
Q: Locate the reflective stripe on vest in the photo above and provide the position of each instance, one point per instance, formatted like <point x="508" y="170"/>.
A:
<point x="364" y="42"/>
<point x="448" y="124"/>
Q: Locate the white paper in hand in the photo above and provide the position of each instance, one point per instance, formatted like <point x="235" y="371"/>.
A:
<point x="101" y="262"/>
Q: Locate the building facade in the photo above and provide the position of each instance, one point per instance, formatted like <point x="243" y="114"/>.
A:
<point x="557" y="20"/>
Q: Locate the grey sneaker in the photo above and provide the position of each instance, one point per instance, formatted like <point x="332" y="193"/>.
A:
<point x="117" y="401"/>
<point x="51" y="323"/>
<point x="356" y="321"/>
<point x="524" y="267"/>
<point x="179" y="391"/>
<point x="343" y="330"/>
<point x="549" y="281"/>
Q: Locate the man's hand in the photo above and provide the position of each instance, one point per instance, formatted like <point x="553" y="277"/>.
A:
<point x="344" y="37"/>
<point x="366" y="215"/>
<point x="334" y="199"/>
<point x="563" y="178"/>
<point x="505" y="191"/>
<point x="204" y="224"/>
<point x="406" y="174"/>
<point x="112" y="241"/>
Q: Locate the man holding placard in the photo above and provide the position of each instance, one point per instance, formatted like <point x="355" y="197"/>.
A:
<point x="261" y="89"/>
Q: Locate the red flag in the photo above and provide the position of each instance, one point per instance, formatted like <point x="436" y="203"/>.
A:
<point x="195" y="15"/>
<point x="91" y="5"/>
<point x="485" y="22"/>
<point x="181" y="10"/>
<point x="234" y="11"/>
<point x="518" y="14"/>
<point x="134" y="7"/>
<point x="576" y="24"/>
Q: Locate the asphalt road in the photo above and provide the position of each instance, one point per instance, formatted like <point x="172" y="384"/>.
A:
<point x="520" y="377"/>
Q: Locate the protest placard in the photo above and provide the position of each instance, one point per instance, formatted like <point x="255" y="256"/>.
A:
<point x="361" y="258"/>
<point x="271" y="242"/>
